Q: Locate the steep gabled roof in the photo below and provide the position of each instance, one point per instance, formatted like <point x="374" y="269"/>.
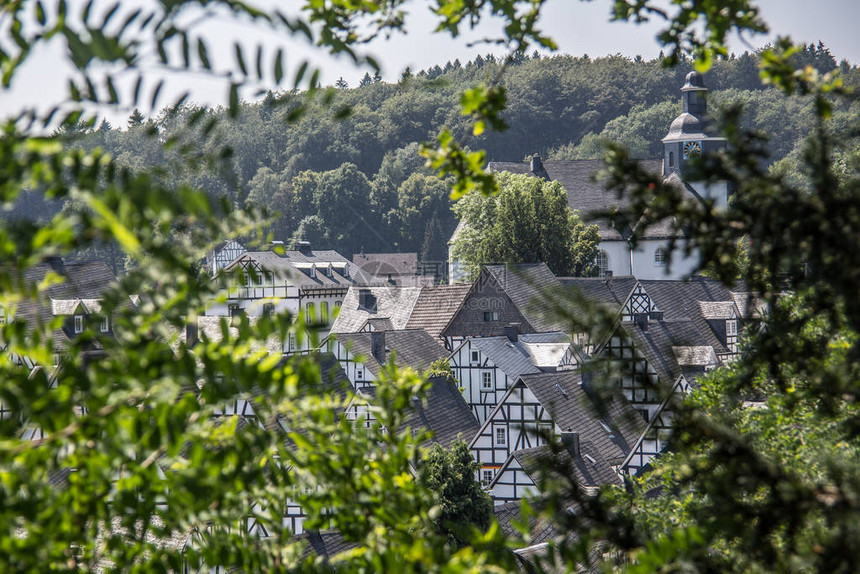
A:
<point x="590" y="470"/>
<point x="511" y="512"/>
<point x="444" y="413"/>
<point x="659" y="342"/>
<point x="384" y="263"/>
<point x="411" y="348"/>
<point x="435" y="306"/>
<point x="610" y="292"/>
<point x="565" y="396"/>
<point x="527" y="285"/>
<point x="324" y="543"/>
<point x="295" y="265"/>
<point x="528" y="355"/>
<point x="392" y="303"/>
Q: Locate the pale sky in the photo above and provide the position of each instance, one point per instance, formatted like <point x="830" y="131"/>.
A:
<point x="578" y="28"/>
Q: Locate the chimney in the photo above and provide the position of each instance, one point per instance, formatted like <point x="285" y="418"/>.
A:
<point x="304" y="247"/>
<point x="377" y="345"/>
<point x="571" y="442"/>
<point x="277" y="245"/>
<point x="536" y="167"/>
<point x="512" y="332"/>
<point x="641" y="319"/>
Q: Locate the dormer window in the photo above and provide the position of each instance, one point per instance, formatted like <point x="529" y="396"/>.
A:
<point x="329" y="271"/>
<point x="732" y="327"/>
<point x="313" y="272"/>
<point x="79" y="324"/>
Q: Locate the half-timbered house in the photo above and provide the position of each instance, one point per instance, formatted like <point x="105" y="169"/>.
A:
<point x="443" y="413"/>
<point x="487" y="366"/>
<point x="578" y="463"/>
<point x="503" y="295"/>
<point x="363" y="355"/>
<point x="541" y="405"/>
<point x="313" y="283"/>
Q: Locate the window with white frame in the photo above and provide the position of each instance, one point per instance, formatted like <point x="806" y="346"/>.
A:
<point x="324" y="312"/>
<point x="310" y="313"/>
<point x="246" y="279"/>
<point x="292" y="342"/>
<point x="105" y="325"/>
<point x="475" y="356"/>
<point x="732" y="327"/>
<point x="501" y="436"/>
<point x="491" y="316"/>
<point x="359" y="372"/>
<point x="486" y="381"/>
<point x="487" y="476"/>
<point x="660" y="256"/>
<point x="79" y="324"/>
<point x="602" y="263"/>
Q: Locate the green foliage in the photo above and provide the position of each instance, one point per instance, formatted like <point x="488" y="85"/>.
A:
<point x="529" y="221"/>
<point x="462" y="504"/>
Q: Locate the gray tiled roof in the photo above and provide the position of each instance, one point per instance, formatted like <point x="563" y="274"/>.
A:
<point x="412" y="348"/>
<point x="586" y="473"/>
<point x="691" y="300"/>
<point x="511" y="512"/>
<point x="528" y="285"/>
<point x="527" y="355"/>
<point x="392" y="303"/>
<point x="435" y="306"/>
<point x="82" y="281"/>
<point x="384" y="263"/>
<point x="292" y="263"/>
<point x="658" y="343"/>
<point x="574" y="409"/>
<point x="612" y="292"/>
<point x="446" y="414"/>
<point x="324" y="543"/>
<point x="692" y="356"/>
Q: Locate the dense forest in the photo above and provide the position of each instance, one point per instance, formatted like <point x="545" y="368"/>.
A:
<point x="345" y="173"/>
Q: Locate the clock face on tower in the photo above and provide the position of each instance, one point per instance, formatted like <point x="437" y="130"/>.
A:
<point x="692" y="148"/>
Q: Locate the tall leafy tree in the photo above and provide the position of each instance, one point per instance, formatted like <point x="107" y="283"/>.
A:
<point x="529" y="221"/>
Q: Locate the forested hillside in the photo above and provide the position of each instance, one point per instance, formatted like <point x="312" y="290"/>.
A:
<point x="346" y="174"/>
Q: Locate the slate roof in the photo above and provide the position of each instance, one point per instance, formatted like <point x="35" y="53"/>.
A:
<point x="443" y="412"/>
<point x="84" y="283"/>
<point x="384" y="263"/>
<point x="435" y="307"/>
<point x="295" y="266"/>
<point x="392" y="303"/>
<point x="697" y="300"/>
<point x="412" y="348"/>
<point x="528" y="285"/>
<point x="511" y="512"/>
<point x="528" y="355"/>
<point x="587" y="196"/>
<point x="571" y="407"/>
<point x="589" y="474"/>
<point x="659" y="342"/>
<point x="612" y="293"/>
<point x="324" y="543"/>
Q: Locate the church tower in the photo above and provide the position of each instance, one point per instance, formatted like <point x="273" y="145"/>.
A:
<point x="689" y="134"/>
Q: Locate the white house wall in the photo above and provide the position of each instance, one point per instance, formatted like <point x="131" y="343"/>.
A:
<point x="512" y="483"/>
<point x="519" y="416"/>
<point x="470" y="375"/>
